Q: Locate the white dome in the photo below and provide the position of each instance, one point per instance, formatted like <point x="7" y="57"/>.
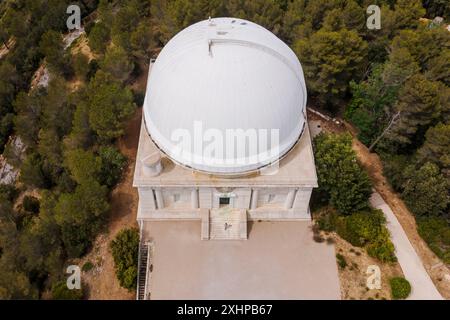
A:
<point x="226" y="74"/>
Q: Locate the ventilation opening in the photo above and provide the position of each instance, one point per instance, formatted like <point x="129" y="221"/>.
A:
<point x="243" y="23"/>
<point x="221" y="33"/>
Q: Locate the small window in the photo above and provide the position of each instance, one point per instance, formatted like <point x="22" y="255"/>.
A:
<point x="224" y="201"/>
<point x="271" y="198"/>
<point x="176" y="197"/>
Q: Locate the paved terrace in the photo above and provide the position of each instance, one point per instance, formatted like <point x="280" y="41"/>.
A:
<point x="280" y="260"/>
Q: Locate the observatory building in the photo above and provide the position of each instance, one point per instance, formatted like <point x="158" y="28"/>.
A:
<point x="224" y="137"/>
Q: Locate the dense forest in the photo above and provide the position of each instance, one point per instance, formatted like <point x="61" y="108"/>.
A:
<point x="392" y="84"/>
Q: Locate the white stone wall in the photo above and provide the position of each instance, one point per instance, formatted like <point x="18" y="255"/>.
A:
<point x="265" y="203"/>
<point x="177" y="198"/>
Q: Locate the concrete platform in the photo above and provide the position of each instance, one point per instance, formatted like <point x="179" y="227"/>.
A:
<point x="280" y="260"/>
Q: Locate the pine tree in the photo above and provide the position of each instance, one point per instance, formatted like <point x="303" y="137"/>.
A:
<point x="436" y="148"/>
<point x="117" y="63"/>
<point x="330" y="59"/>
<point x="426" y="190"/>
<point x="419" y="106"/>
<point x="110" y="104"/>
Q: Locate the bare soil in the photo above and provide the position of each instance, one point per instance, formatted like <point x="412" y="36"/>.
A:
<point x="372" y="163"/>
<point x="4" y="50"/>
<point x="82" y="45"/>
<point x="353" y="277"/>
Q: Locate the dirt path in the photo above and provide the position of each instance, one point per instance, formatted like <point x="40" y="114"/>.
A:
<point x="5" y="49"/>
<point x="101" y="280"/>
<point x="372" y="163"/>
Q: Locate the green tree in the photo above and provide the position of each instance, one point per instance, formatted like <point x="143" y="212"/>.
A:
<point x="57" y="110"/>
<point x="80" y="215"/>
<point x="16" y="22"/>
<point x="125" y="250"/>
<point x="266" y="13"/>
<point x="99" y="37"/>
<point x="4" y="37"/>
<point x="407" y="13"/>
<point x="83" y="165"/>
<point x="109" y="106"/>
<point x="170" y="17"/>
<point x="426" y="190"/>
<point x="424" y="44"/>
<point x="330" y="60"/>
<point x="351" y="16"/>
<point x="142" y="40"/>
<point x="81" y="65"/>
<point x="9" y="81"/>
<point x="51" y="46"/>
<point x="15" y="285"/>
<point x="117" y="63"/>
<point x="399" y="68"/>
<point x="437" y="8"/>
<point x="28" y="111"/>
<point x="82" y="135"/>
<point x="438" y="68"/>
<point x="341" y="178"/>
<point x="419" y="105"/>
<point x="125" y="21"/>
<point x="113" y="164"/>
<point x="370" y="106"/>
<point x="61" y="292"/>
<point x="294" y="20"/>
<point x="49" y="149"/>
<point x="31" y="172"/>
<point x="436" y="148"/>
<point x="87" y="203"/>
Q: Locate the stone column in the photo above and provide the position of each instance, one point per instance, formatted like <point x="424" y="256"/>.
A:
<point x="194" y="198"/>
<point x="254" y="203"/>
<point x="159" y="199"/>
<point x="288" y="203"/>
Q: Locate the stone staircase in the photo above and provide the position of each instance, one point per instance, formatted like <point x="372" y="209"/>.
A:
<point x="142" y="271"/>
<point x="227" y="224"/>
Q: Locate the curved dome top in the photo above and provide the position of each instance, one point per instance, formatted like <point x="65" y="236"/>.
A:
<point x="216" y="77"/>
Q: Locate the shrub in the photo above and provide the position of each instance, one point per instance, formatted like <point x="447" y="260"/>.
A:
<point x="400" y="288"/>
<point x="31" y="204"/>
<point x="61" y="292"/>
<point x="138" y="98"/>
<point x="8" y="191"/>
<point x="125" y="248"/>
<point x="327" y="219"/>
<point x="363" y="227"/>
<point x="341" y="261"/>
<point x="426" y="190"/>
<point x="381" y="247"/>
<point x="366" y="229"/>
<point x="436" y="233"/>
<point x="76" y="239"/>
<point x="87" y="266"/>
